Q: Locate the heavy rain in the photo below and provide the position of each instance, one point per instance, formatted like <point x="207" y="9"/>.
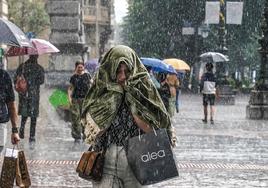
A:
<point x="133" y="93"/>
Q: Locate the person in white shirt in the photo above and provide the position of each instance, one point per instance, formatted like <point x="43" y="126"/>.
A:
<point x="208" y="87"/>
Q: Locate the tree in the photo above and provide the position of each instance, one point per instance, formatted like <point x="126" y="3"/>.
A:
<point x="29" y="15"/>
<point x="154" y="28"/>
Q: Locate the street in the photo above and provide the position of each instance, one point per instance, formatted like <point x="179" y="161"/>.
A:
<point x="231" y="153"/>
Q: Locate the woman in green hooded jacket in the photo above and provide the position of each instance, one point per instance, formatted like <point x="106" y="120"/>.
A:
<point x="121" y="101"/>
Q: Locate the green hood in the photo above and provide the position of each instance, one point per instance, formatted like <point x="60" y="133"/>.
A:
<point x="141" y="96"/>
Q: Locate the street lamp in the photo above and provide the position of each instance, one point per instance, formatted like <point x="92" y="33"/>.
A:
<point x="258" y="103"/>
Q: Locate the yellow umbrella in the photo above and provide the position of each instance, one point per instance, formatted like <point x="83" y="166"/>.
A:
<point x="177" y="64"/>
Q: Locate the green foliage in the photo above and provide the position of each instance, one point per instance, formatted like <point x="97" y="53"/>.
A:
<point x="28" y="15"/>
<point x="154" y="29"/>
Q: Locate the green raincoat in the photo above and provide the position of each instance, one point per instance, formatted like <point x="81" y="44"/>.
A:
<point x="104" y="97"/>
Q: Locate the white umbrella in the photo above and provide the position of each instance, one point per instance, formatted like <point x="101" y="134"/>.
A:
<point x="215" y="56"/>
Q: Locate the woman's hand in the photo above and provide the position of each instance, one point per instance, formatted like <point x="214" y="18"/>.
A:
<point x="141" y="124"/>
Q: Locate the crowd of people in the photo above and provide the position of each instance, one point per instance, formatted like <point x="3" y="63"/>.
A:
<point x="122" y="100"/>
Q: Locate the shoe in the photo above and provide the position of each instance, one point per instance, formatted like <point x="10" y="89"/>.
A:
<point x="211" y="121"/>
<point x="77" y="141"/>
<point x="32" y="139"/>
<point x="204" y="120"/>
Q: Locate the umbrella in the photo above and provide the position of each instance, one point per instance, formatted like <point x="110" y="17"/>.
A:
<point x="177" y="64"/>
<point x="40" y="47"/>
<point x="91" y="66"/>
<point x="12" y="35"/>
<point x="215" y="56"/>
<point x="59" y="98"/>
<point x="157" y="65"/>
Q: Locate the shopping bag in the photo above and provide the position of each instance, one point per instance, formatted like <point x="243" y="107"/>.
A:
<point x="8" y="172"/>
<point x="22" y="173"/>
<point x="151" y="158"/>
<point x="90" y="166"/>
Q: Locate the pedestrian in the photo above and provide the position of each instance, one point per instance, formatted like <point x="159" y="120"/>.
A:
<point x="209" y="89"/>
<point x="29" y="101"/>
<point x="152" y="76"/>
<point x="180" y="77"/>
<point x="8" y="110"/>
<point x="79" y="86"/>
<point x="174" y="86"/>
<point x="122" y="101"/>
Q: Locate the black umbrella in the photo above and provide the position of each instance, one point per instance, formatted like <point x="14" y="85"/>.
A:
<point x="12" y="35"/>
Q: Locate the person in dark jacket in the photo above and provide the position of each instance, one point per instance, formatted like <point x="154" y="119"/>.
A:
<point x="7" y="109"/>
<point x="29" y="101"/>
<point x="208" y="87"/>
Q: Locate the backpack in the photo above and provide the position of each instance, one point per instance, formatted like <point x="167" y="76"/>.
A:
<point x="21" y="84"/>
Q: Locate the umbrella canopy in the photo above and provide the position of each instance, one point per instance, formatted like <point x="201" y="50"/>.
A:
<point x="59" y="98"/>
<point x="177" y="64"/>
<point x="157" y="65"/>
<point x="12" y="35"/>
<point x="215" y="56"/>
<point x="92" y="66"/>
<point x="40" y="47"/>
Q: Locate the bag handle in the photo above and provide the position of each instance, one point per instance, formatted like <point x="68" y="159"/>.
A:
<point x="141" y="136"/>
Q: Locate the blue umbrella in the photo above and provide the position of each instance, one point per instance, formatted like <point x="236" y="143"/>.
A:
<point x="158" y="65"/>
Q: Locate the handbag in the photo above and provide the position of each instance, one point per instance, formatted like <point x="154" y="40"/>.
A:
<point x="90" y="166"/>
<point x="4" y="112"/>
<point x="22" y="174"/>
<point x="8" y="172"/>
<point x="21" y="83"/>
<point x="151" y="158"/>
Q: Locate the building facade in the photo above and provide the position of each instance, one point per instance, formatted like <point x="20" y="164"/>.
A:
<point x="98" y="24"/>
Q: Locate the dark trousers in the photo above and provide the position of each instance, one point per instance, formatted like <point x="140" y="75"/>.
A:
<point x="32" y="125"/>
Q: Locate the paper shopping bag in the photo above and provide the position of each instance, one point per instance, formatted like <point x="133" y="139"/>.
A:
<point x="151" y="158"/>
<point x="8" y="172"/>
<point x="22" y="175"/>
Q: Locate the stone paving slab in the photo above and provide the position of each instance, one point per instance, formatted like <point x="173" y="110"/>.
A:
<point x="231" y="153"/>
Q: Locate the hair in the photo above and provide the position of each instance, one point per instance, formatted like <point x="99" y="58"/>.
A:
<point x="209" y="67"/>
<point x="79" y="62"/>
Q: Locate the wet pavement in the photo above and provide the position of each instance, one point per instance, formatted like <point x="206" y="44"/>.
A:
<point x="231" y="153"/>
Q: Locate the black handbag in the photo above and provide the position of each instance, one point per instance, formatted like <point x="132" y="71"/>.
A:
<point x="151" y="158"/>
<point x="4" y="113"/>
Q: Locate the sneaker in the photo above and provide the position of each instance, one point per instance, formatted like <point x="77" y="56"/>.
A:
<point x="77" y="141"/>
<point x="211" y="121"/>
<point x="204" y="120"/>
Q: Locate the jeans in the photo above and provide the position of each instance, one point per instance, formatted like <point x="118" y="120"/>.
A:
<point x="116" y="172"/>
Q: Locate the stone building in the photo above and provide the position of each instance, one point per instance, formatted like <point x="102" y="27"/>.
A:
<point x="3" y="9"/>
<point x="81" y="29"/>
<point x="98" y="23"/>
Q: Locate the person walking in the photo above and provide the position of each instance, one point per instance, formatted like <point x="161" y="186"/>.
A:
<point x="79" y="86"/>
<point x="174" y="85"/>
<point x="121" y="101"/>
<point x="209" y="89"/>
<point x="29" y="101"/>
<point x="8" y="110"/>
